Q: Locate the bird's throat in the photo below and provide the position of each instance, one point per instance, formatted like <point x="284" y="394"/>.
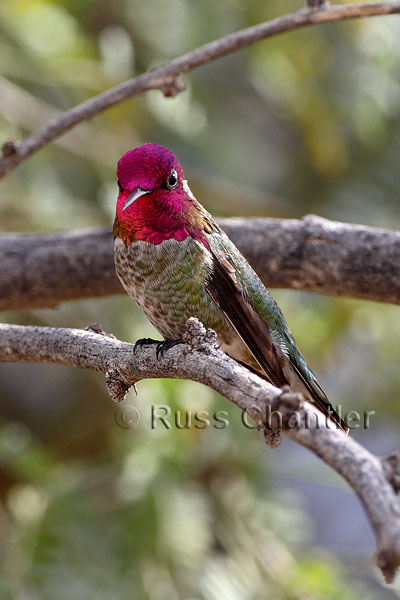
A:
<point x="155" y="229"/>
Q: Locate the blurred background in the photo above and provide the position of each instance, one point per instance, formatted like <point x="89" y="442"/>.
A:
<point x="92" y="507"/>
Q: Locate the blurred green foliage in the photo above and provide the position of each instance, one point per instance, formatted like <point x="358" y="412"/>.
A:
<point x="305" y="122"/>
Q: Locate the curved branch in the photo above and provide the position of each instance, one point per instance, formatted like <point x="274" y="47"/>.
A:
<point x="201" y="360"/>
<point x="166" y="77"/>
<point x="312" y="254"/>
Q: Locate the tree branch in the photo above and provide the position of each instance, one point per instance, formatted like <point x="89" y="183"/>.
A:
<point x="312" y="254"/>
<point x="166" y="77"/>
<point x="375" y="481"/>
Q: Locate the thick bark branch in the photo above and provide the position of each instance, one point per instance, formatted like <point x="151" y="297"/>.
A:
<point x="166" y="77"/>
<point x="375" y="481"/>
<point x="312" y="254"/>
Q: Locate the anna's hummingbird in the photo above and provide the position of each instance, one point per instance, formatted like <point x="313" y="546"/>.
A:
<point x="176" y="262"/>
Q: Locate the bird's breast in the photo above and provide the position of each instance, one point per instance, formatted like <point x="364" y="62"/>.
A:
<point x="167" y="282"/>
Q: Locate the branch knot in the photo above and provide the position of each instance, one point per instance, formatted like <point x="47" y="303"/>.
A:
<point x="391" y="468"/>
<point x="172" y="86"/>
<point x="197" y="337"/>
<point x="97" y="328"/>
<point x="289" y="400"/>
<point x="116" y="387"/>
<point x="10" y="147"/>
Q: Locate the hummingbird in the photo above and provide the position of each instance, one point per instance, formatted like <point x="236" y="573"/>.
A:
<point x="175" y="261"/>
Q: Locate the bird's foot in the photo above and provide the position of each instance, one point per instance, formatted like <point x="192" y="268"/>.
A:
<point x="162" y="346"/>
<point x="165" y="345"/>
<point x="144" y="342"/>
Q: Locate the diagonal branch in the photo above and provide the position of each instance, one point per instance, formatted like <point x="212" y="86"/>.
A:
<point x="311" y="254"/>
<point x="375" y="481"/>
<point x="166" y="77"/>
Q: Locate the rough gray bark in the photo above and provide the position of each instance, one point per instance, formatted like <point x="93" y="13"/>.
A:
<point x="311" y="254"/>
<point x="166" y="77"/>
<point x="374" y="480"/>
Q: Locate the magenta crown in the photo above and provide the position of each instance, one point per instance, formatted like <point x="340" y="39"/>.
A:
<point x="147" y="166"/>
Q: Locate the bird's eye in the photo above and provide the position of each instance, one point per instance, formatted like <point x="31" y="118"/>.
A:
<point x="173" y="179"/>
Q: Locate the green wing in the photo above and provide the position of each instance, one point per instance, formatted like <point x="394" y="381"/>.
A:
<point x="253" y="313"/>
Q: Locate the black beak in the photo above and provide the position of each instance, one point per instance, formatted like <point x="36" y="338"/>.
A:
<point x="137" y="193"/>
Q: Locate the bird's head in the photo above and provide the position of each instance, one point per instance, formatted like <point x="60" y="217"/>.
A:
<point x="149" y="170"/>
<point x="152" y="192"/>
